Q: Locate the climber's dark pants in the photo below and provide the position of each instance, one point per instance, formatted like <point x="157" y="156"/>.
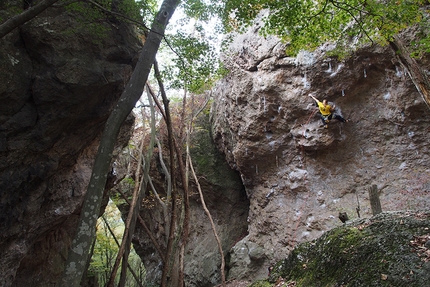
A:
<point x="325" y="119"/>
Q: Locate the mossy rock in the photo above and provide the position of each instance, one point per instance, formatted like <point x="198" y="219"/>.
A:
<point x="369" y="252"/>
<point x="208" y="160"/>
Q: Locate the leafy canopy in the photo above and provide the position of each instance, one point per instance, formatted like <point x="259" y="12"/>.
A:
<point x="195" y="39"/>
<point x="196" y="65"/>
<point x="306" y="24"/>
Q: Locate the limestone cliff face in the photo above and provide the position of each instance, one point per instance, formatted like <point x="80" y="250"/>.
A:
<point x="299" y="176"/>
<point x="59" y="81"/>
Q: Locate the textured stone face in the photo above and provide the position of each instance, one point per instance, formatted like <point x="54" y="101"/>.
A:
<point x="58" y="83"/>
<point x="299" y="176"/>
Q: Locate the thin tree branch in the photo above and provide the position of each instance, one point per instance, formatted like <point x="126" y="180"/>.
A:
<point x="118" y="14"/>
<point x="64" y="4"/>
<point x="135" y="205"/>
<point x="190" y="164"/>
<point x="157" y="102"/>
<point x="358" y="21"/>
<point x="173" y="215"/>
<point x="210" y="219"/>
<point x="25" y="16"/>
<point x="203" y="105"/>
<point x="146" y="29"/>
<point x="185" y="230"/>
<point x="117" y="243"/>
<point x="145" y="227"/>
<point x="123" y="250"/>
<point x="164" y="167"/>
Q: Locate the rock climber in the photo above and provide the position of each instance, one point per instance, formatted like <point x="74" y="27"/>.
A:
<point x="327" y="112"/>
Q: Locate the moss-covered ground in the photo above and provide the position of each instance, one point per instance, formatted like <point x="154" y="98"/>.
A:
<point x="381" y="251"/>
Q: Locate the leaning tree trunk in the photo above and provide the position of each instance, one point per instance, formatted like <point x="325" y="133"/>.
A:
<point x="417" y="75"/>
<point x="86" y="227"/>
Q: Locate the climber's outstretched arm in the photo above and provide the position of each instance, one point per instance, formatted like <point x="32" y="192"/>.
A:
<point x="315" y="99"/>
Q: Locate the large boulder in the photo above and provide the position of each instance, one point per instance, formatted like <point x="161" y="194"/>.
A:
<point x="390" y="249"/>
<point x="61" y="76"/>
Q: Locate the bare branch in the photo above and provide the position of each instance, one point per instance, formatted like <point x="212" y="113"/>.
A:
<point x="117" y="243"/>
<point x="210" y="220"/>
<point x="145" y="227"/>
<point x="134" y="207"/>
<point x="358" y="21"/>
<point x="25" y="16"/>
<point x="118" y="14"/>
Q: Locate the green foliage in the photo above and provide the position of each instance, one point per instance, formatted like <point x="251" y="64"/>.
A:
<point x="194" y="41"/>
<point x="139" y="9"/>
<point x="129" y="180"/>
<point x="422" y="45"/>
<point x="306" y="24"/>
<point x="11" y="9"/>
<point x="196" y="64"/>
<point x="106" y="249"/>
<point x="202" y="10"/>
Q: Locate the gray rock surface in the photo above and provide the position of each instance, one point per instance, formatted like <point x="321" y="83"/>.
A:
<point x="59" y="81"/>
<point x="299" y="176"/>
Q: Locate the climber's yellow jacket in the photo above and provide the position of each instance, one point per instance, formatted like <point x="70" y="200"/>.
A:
<point x="324" y="110"/>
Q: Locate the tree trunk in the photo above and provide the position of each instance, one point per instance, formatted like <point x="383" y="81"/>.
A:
<point x="417" y="75"/>
<point x="84" y="280"/>
<point x="138" y="193"/>
<point x="186" y="224"/>
<point x="25" y="16"/>
<point x="375" y="203"/>
<point x="142" y="222"/>
<point x="124" y="249"/>
<point x="86" y="227"/>
<point x="169" y="250"/>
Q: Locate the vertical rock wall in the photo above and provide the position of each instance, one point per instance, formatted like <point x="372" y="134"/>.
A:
<point x="299" y="176"/>
<point x="59" y="81"/>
